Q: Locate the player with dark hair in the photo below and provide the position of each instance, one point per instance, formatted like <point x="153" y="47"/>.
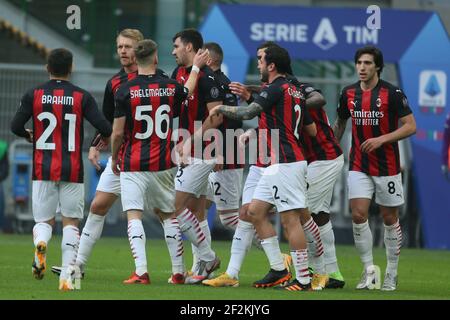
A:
<point x="191" y="182"/>
<point x="375" y="107"/>
<point x="145" y="108"/>
<point x="108" y="187"/>
<point x="58" y="109"/>
<point x="226" y="184"/>
<point x="283" y="182"/>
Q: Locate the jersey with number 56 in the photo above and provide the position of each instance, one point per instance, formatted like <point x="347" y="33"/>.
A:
<point x="149" y="103"/>
<point x="58" y="108"/>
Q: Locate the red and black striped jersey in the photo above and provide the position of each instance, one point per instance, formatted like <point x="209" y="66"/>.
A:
<point x="374" y="113"/>
<point x="58" y="108"/>
<point x="113" y="85"/>
<point x="230" y="150"/>
<point x="149" y="104"/>
<point x="324" y="146"/>
<point x="284" y="116"/>
<point x="207" y="90"/>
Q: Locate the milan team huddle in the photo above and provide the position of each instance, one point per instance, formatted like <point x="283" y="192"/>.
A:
<point x="158" y="165"/>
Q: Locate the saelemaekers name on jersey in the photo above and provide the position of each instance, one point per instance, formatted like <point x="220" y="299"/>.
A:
<point x="159" y="92"/>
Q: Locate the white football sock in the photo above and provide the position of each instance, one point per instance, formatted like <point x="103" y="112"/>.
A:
<point x="393" y="241"/>
<point x="229" y="220"/>
<point x="242" y="241"/>
<point x="190" y="227"/>
<point x="363" y="242"/>
<point x="42" y="232"/>
<point x="271" y="247"/>
<point x="69" y="245"/>
<point x="91" y="232"/>
<point x="300" y="261"/>
<point x="172" y="235"/>
<point x="312" y="234"/>
<point x="329" y="249"/>
<point x="195" y="254"/>
<point x="136" y="237"/>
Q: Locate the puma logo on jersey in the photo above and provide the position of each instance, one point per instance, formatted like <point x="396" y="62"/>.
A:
<point x="354" y="103"/>
<point x="134" y="237"/>
<point x="174" y="237"/>
<point x="180" y="181"/>
<point x="223" y="200"/>
<point x="211" y="77"/>
<point x="285" y="201"/>
<point x="71" y="245"/>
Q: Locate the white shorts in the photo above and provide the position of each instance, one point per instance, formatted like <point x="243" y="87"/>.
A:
<point x="284" y="186"/>
<point x="388" y="189"/>
<point x="152" y="188"/>
<point x="50" y="196"/>
<point x="322" y="176"/>
<point x="194" y="177"/>
<point x="225" y="188"/>
<point x="109" y="182"/>
<point x="254" y="175"/>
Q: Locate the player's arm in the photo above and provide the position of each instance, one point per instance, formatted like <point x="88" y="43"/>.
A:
<point x="341" y="118"/>
<point x="308" y="124"/>
<point x="116" y="142"/>
<point x="96" y="118"/>
<point x="242" y="91"/>
<point x="237" y="112"/>
<point x="315" y="100"/>
<point x="398" y="107"/>
<point x="21" y="117"/>
<point x="199" y="62"/>
<point x="407" y="129"/>
<point x="339" y="127"/>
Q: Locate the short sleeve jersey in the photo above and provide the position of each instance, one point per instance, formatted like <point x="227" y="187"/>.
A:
<point x="207" y="90"/>
<point x="284" y="114"/>
<point x="149" y="104"/>
<point x="57" y="108"/>
<point x="324" y="146"/>
<point x="374" y="113"/>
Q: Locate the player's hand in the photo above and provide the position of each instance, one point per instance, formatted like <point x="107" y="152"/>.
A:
<point x="372" y="144"/>
<point x="245" y="137"/>
<point x="219" y="163"/>
<point x="115" y="167"/>
<point x="445" y="172"/>
<point x="201" y="58"/>
<point x="93" y="157"/>
<point x="214" y="111"/>
<point x="103" y="143"/>
<point x="30" y="135"/>
<point x="240" y="90"/>
<point x="184" y="151"/>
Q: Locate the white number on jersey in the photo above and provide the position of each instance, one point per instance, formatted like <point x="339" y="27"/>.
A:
<point x="298" y="110"/>
<point x="161" y="116"/>
<point x="42" y="144"/>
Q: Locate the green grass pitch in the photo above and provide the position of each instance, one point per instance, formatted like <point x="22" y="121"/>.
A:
<point x="423" y="274"/>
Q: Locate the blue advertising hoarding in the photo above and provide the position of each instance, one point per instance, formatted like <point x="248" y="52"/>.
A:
<point x="415" y="40"/>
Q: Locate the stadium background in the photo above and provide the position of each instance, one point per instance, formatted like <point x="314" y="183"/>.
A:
<point x="29" y="28"/>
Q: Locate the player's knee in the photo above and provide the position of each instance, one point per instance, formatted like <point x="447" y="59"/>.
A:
<point x="359" y="215"/>
<point x="244" y="214"/>
<point x="99" y="207"/>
